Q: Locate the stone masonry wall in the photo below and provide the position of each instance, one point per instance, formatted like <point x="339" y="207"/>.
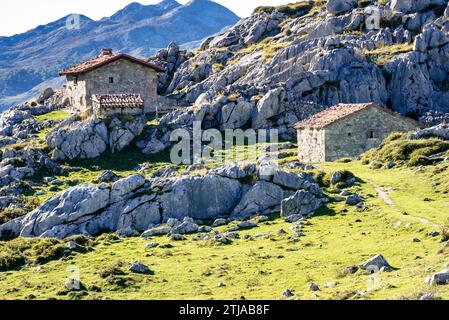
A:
<point x="311" y="145"/>
<point x="77" y="92"/>
<point x="129" y="78"/>
<point x="365" y="130"/>
<point x="110" y="111"/>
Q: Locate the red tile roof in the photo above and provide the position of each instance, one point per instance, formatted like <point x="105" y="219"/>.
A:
<point x="341" y="111"/>
<point x="119" y="100"/>
<point x="103" y="60"/>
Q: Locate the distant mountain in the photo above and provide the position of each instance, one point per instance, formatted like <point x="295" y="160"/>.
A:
<point x="28" y="59"/>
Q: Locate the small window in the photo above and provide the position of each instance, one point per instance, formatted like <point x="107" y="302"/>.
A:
<point x="75" y="79"/>
<point x="349" y="134"/>
<point x="371" y="135"/>
<point x="111" y="80"/>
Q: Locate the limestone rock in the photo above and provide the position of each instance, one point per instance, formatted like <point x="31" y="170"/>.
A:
<point x="340" y="6"/>
<point x="301" y="203"/>
<point x="440" y="278"/>
<point x="137" y="267"/>
<point x="262" y="197"/>
<point x="375" y="264"/>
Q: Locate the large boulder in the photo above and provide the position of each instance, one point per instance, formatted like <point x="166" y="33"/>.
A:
<point x="301" y="203"/>
<point x="44" y="95"/>
<point x="124" y="187"/>
<point x="440" y="278"/>
<point x="340" y="6"/>
<point x="409" y="6"/>
<point x="122" y="134"/>
<point x="201" y="197"/>
<point x="263" y="197"/>
<point x="73" y="204"/>
<point x="90" y="138"/>
<point x="272" y="104"/>
<point x="79" y="139"/>
<point x="441" y="131"/>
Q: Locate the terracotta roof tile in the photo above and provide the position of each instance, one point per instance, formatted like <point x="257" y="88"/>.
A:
<point x="341" y="111"/>
<point x="119" y="100"/>
<point x="103" y="60"/>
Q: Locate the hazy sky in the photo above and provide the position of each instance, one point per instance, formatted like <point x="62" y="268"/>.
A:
<point x="18" y="16"/>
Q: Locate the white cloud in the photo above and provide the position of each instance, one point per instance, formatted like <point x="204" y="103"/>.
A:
<point x="21" y="15"/>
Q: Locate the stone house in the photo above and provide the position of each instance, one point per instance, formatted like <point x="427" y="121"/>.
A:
<point x="114" y="75"/>
<point x="347" y="130"/>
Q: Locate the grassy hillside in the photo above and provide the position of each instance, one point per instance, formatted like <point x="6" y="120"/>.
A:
<point x="263" y="267"/>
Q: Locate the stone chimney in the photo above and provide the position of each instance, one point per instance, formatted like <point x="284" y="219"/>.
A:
<point x="106" y="52"/>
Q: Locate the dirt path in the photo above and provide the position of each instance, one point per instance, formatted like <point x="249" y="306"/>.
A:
<point x="383" y="194"/>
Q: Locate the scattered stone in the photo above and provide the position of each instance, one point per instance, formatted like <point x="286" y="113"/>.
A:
<point x="160" y="231"/>
<point x="204" y="229"/>
<point x="137" y="267"/>
<point x="107" y="176"/>
<point x="282" y="232"/>
<point x="152" y="245"/>
<point x="433" y="233"/>
<point x="177" y="237"/>
<point x="293" y="218"/>
<point x="375" y="264"/>
<point x="219" y="222"/>
<point x="288" y="293"/>
<point x="353" y="200"/>
<point x="351" y="270"/>
<point x="416" y="240"/>
<point x="247" y="225"/>
<point x="298" y="233"/>
<point x="71" y="245"/>
<point x="314" y="287"/>
<point x="246" y="236"/>
<point x="221" y="285"/>
<point x="440" y="278"/>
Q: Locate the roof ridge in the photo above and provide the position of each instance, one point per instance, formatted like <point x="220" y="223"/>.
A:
<point x="102" y="60"/>
<point x="339" y="112"/>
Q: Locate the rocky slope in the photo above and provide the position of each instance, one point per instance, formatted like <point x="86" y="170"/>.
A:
<point x="262" y="70"/>
<point x="133" y="205"/>
<point x="30" y="58"/>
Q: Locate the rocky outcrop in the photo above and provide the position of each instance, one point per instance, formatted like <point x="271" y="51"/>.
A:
<point x="265" y="70"/>
<point x="340" y="6"/>
<point x="170" y="60"/>
<point x="90" y="138"/>
<point x="441" y="131"/>
<point x="135" y="204"/>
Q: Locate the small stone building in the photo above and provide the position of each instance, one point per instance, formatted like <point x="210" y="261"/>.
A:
<point x="347" y="130"/>
<point x="114" y="75"/>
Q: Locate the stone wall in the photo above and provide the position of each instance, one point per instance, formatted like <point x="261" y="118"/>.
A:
<point x="76" y="91"/>
<point x="365" y="130"/>
<point x="311" y="145"/>
<point x="114" y="111"/>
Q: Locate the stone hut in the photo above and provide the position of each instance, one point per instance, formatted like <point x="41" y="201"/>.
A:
<point x="347" y="130"/>
<point x="114" y="75"/>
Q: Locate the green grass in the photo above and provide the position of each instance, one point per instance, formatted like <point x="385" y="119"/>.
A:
<point x="263" y="268"/>
<point x="383" y="55"/>
<point x="291" y="9"/>
<point x="399" y="148"/>
<point x="58" y="115"/>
